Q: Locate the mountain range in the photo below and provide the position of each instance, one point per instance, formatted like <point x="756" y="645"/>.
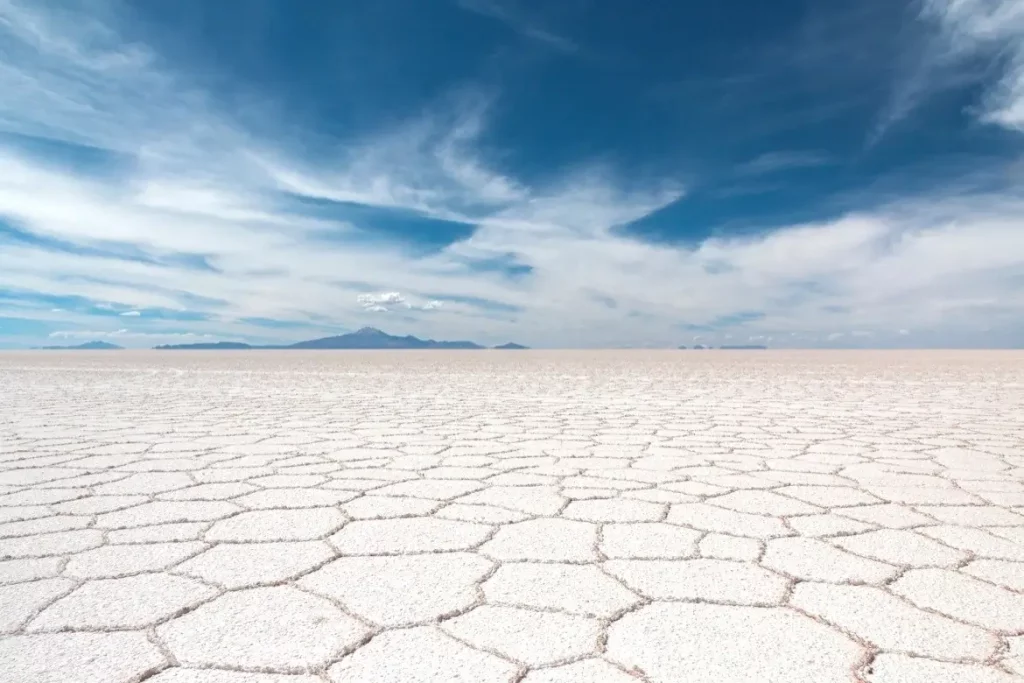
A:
<point x="87" y="346"/>
<point x="366" y="338"/>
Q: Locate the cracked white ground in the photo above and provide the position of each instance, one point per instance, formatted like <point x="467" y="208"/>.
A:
<point x="499" y="516"/>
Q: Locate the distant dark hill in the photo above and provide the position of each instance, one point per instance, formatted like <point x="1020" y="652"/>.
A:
<point x="87" y="346"/>
<point x="372" y="338"/>
<point x="683" y="348"/>
<point x="512" y="346"/>
<point x="205" y="346"/>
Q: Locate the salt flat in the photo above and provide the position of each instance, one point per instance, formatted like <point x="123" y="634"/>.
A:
<point x="547" y="517"/>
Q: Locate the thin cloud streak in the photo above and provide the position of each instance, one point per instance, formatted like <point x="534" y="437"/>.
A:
<point x="506" y="12"/>
<point x="772" y="162"/>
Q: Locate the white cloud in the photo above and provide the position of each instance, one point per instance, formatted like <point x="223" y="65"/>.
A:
<point x="382" y="299"/>
<point x="835" y="335"/>
<point x="380" y="303"/>
<point x="132" y="314"/>
<point x="429" y="164"/>
<point x="904" y="333"/>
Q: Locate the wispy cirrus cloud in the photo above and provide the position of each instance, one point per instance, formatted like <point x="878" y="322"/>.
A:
<point x="509" y="13"/>
<point x="987" y="28"/>
<point x="965" y="42"/>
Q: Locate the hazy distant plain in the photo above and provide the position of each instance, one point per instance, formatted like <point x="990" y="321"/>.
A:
<point x="541" y="516"/>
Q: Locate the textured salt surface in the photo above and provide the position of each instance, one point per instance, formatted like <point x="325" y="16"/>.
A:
<point x="487" y="516"/>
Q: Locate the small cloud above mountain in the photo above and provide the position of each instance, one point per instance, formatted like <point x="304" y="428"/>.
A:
<point x="385" y="298"/>
<point x="386" y="301"/>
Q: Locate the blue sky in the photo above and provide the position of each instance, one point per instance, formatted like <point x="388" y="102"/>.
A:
<point x="579" y="173"/>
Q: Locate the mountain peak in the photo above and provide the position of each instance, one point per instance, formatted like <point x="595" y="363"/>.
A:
<point x="367" y="331"/>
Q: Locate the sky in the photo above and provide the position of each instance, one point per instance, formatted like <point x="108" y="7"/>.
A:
<point x="581" y="173"/>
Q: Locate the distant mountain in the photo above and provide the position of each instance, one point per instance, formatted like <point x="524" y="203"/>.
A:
<point x="87" y="346"/>
<point x="683" y="348"/>
<point x="699" y="346"/>
<point x="372" y="338"/>
<point x="205" y="346"/>
<point x="512" y="346"/>
<point x="366" y="338"/>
